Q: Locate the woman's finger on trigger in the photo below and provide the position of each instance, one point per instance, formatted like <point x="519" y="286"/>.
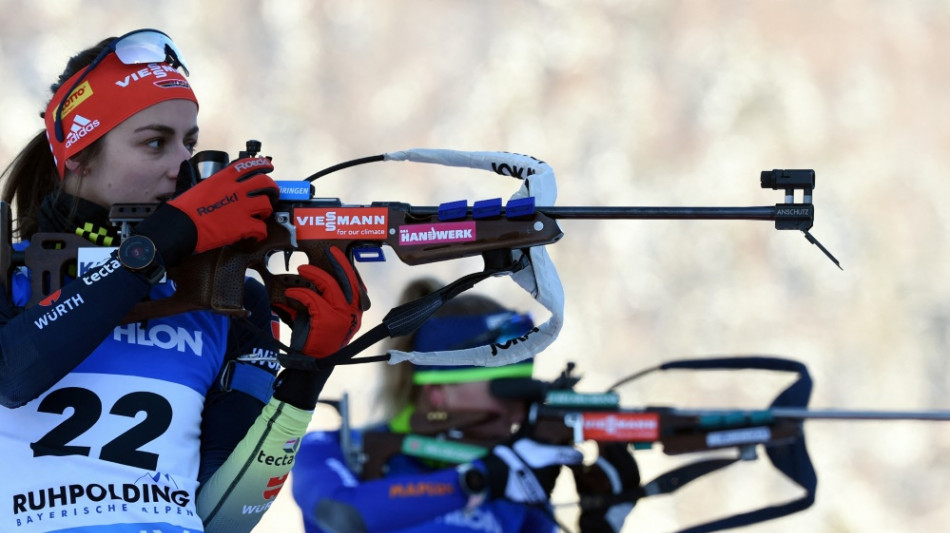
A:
<point x="284" y="312"/>
<point x="345" y="273"/>
<point x="325" y="283"/>
<point x="307" y="298"/>
<point x="320" y="278"/>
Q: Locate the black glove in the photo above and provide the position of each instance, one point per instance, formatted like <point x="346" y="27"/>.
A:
<point x="521" y="471"/>
<point x="608" y="488"/>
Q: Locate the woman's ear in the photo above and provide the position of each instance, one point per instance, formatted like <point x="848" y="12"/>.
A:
<point x="72" y="165"/>
<point x="75" y="172"/>
<point x="434" y="395"/>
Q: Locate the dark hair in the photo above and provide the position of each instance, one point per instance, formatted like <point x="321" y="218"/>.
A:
<point x="32" y="175"/>
<point x="397" y="390"/>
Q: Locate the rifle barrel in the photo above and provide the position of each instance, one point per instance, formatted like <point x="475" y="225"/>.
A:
<point x="628" y="212"/>
<point x="820" y="414"/>
<point x="843" y="414"/>
<point x="637" y="212"/>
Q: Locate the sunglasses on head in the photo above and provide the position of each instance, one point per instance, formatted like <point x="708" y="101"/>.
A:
<point x="133" y="48"/>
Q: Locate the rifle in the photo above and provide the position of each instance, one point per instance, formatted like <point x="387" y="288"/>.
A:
<point x="559" y="414"/>
<point x="510" y="238"/>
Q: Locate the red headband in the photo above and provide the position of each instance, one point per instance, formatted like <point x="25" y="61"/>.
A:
<point x="109" y="94"/>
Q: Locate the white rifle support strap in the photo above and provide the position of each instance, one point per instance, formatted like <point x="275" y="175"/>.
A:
<point x="540" y="279"/>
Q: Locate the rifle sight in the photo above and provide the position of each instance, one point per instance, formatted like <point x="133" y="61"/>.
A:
<point x="788" y="179"/>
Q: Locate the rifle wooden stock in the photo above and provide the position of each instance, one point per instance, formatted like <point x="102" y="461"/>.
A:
<point x="378" y="447"/>
<point x="677" y="433"/>
<point x="214" y="280"/>
<point x="691" y="437"/>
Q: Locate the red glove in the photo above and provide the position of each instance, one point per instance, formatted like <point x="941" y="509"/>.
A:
<point x="333" y="311"/>
<point x="228" y="206"/>
<point x="231" y="204"/>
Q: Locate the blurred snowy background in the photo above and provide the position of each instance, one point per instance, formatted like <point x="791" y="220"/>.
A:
<point x="632" y="102"/>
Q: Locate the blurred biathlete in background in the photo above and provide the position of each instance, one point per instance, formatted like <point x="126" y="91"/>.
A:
<point x="173" y="423"/>
<point x="451" y="455"/>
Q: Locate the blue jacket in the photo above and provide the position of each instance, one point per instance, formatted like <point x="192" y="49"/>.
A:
<point x="413" y="497"/>
<point x="116" y="427"/>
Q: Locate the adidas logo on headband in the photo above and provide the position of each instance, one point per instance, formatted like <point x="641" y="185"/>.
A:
<point x="81" y="126"/>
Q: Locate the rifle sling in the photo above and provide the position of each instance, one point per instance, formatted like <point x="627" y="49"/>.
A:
<point x="406" y="318"/>
<point x="790" y="456"/>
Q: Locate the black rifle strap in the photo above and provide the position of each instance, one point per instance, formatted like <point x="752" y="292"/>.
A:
<point x="674" y="479"/>
<point x="791" y="459"/>
<point x="669" y="482"/>
<point x="666" y="483"/>
<point x="805" y="479"/>
<point x="406" y="318"/>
